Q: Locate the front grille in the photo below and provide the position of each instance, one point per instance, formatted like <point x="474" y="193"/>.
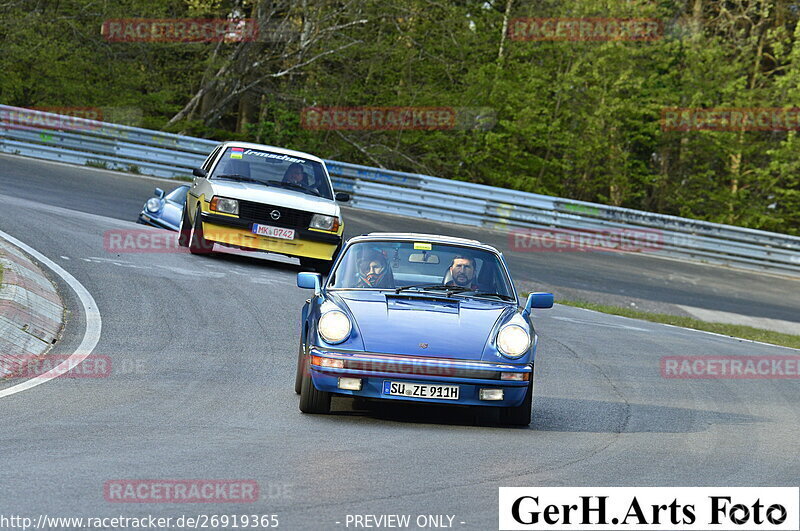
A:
<point x="260" y="213"/>
<point x="410" y="368"/>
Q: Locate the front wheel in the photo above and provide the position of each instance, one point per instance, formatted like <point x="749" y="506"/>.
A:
<point x="521" y="414"/>
<point x="197" y="242"/>
<point x="301" y="368"/>
<point x="183" y="231"/>
<point x="313" y="400"/>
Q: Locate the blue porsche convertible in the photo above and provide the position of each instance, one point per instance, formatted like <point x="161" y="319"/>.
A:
<point x="418" y="318"/>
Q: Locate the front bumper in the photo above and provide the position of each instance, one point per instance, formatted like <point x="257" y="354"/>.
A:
<point x="146" y="219"/>
<point x="373" y="369"/>
<point x="235" y="232"/>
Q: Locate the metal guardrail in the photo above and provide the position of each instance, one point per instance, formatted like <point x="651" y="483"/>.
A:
<point x="80" y="141"/>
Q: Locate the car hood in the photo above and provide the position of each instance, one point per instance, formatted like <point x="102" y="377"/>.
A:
<point x="171" y="213"/>
<point x="455" y="327"/>
<point x="261" y="193"/>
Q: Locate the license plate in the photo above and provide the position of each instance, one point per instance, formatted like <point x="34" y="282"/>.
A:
<point x="444" y="392"/>
<point x="273" y="232"/>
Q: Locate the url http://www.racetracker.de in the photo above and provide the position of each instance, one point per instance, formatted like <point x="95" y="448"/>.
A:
<point x="196" y="521"/>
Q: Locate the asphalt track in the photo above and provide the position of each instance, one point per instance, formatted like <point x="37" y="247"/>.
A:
<point x="203" y="352"/>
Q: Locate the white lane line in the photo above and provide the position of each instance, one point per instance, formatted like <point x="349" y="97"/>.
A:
<point x="678" y="328"/>
<point x="94" y="323"/>
<point x="594" y="323"/>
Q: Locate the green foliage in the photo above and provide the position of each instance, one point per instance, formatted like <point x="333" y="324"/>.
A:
<point x="576" y="119"/>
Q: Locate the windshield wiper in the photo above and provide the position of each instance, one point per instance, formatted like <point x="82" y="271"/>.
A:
<point x="500" y="296"/>
<point x="294" y="186"/>
<point x="237" y="177"/>
<point x="434" y="287"/>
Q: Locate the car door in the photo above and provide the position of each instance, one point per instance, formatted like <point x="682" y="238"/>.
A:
<point x="198" y="183"/>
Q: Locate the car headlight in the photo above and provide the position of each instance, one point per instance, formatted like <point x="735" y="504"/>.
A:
<point x="153" y="205"/>
<point x="513" y="341"/>
<point x="323" y="222"/>
<point x="225" y="205"/>
<point x="334" y="326"/>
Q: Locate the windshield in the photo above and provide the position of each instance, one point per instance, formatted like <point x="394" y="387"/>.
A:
<point x="273" y="169"/>
<point x="422" y="266"/>
<point x="178" y="195"/>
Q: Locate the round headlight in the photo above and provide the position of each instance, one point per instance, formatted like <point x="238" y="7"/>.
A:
<point x="513" y="341"/>
<point x="153" y="205"/>
<point x="334" y="326"/>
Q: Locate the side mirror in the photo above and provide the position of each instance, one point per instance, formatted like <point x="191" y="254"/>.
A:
<point x="343" y="197"/>
<point x="159" y="193"/>
<point x="199" y="172"/>
<point x="308" y="280"/>
<point x="538" y="300"/>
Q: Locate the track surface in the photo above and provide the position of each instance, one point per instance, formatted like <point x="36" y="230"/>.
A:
<point x="203" y="350"/>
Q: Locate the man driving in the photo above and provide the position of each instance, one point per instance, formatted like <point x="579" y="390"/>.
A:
<point x="462" y="271"/>
<point x="294" y="174"/>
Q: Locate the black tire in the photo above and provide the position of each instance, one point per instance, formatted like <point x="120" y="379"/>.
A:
<point x="322" y="267"/>
<point x="520" y="415"/>
<point x="311" y="399"/>
<point x="301" y="368"/>
<point x="184" y="230"/>
<point x="197" y="243"/>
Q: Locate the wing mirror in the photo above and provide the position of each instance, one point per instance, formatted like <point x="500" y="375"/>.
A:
<point x="308" y="280"/>
<point x="159" y="193"/>
<point x="342" y="197"/>
<point x="199" y="172"/>
<point x="538" y="300"/>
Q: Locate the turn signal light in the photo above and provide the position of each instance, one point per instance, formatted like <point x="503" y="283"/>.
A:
<point x="329" y="363"/>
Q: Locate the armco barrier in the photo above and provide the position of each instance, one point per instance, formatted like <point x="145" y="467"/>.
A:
<point x="79" y="141"/>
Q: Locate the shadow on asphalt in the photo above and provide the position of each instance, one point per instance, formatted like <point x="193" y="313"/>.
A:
<point x="552" y="415"/>
<point x="252" y="258"/>
<point x="598" y="416"/>
<point x="417" y="413"/>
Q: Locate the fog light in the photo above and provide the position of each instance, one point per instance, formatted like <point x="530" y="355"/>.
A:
<point x="329" y="363"/>
<point x="351" y="384"/>
<point x="514" y="376"/>
<point x="491" y="394"/>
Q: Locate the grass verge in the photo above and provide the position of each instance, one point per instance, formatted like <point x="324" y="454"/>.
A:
<point x="744" y="332"/>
